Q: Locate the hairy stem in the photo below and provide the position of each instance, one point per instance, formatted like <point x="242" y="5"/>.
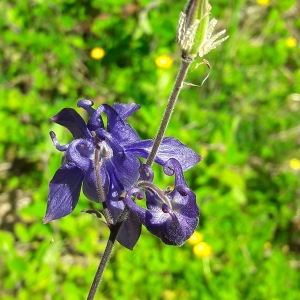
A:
<point x="185" y="64"/>
<point x="100" y="190"/>
<point x="114" y="229"/>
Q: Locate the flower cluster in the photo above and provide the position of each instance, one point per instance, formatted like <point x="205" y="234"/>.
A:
<point x="107" y="158"/>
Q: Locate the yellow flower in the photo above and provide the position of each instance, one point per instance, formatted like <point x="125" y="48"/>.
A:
<point x="202" y="250"/>
<point x="169" y="294"/>
<point x="164" y="61"/>
<point x="97" y="53"/>
<point x="203" y="151"/>
<point x="267" y="245"/>
<point x="263" y="2"/>
<point x="196" y="238"/>
<point x="295" y="164"/>
<point x="291" y="42"/>
<point x="285" y="249"/>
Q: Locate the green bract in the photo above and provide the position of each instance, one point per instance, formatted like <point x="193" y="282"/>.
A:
<point x="194" y="31"/>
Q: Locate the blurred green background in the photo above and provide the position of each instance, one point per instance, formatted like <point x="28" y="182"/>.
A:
<point x="244" y="120"/>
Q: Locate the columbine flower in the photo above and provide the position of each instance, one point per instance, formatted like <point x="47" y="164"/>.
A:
<point x="171" y="215"/>
<point x="194" y="32"/>
<point x="118" y="147"/>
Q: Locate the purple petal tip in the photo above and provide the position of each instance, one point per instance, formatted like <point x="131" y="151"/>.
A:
<point x="46" y="220"/>
<point x="53" y="119"/>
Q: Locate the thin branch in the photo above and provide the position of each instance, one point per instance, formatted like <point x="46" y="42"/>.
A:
<point x="185" y="64"/>
<point x="99" y="186"/>
<point x="114" y="229"/>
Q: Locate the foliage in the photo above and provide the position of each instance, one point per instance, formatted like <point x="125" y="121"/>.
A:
<point x="244" y="120"/>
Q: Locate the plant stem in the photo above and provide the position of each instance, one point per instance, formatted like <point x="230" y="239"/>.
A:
<point x="114" y="229"/>
<point x="185" y="64"/>
<point x="100" y="191"/>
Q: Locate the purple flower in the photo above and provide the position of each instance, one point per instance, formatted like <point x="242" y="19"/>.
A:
<point x="171" y="215"/>
<point x="118" y="147"/>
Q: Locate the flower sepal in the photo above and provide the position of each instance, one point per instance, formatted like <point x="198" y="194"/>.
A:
<point x="195" y="29"/>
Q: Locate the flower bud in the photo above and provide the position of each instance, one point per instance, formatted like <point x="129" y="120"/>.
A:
<point x="194" y="31"/>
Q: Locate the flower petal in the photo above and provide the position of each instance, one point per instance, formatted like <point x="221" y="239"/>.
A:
<point x="125" y="110"/>
<point x="115" y="189"/>
<point x="128" y="170"/>
<point x="125" y="165"/>
<point x="130" y="231"/>
<point x="122" y="132"/>
<point x="169" y="148"/>
<point x="69" y="118"/>
<point x="184" y="202"/>
<point x="64" y="190"/>
<point x="87" y="105"/>
<point x="171" y="216"/>
<point x="80" y="152"/>
<point x="172" y="227"/>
